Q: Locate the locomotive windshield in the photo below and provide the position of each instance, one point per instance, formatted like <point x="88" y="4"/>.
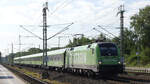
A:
<point x="108" y="49"/>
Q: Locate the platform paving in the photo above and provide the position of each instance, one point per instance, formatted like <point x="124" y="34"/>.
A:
<point x="7" y="77"/>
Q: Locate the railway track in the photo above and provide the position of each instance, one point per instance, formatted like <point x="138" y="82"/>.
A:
<point x="70" y="78"/>
<point x="138" y="70"/>
<point x="128" y="79"/>
<point x="27" y="78"/>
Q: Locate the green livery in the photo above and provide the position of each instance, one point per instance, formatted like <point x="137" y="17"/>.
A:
<point x="56" y="58"/>
<point x="96" y="57"/>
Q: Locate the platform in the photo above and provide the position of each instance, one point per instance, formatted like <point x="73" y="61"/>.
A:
<point x="7" y="77"/>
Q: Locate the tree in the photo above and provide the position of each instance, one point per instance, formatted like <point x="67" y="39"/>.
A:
<point x="129" y="41"/>
<point x="140" y="37"/>
<point x="30" y="51"/>
<point x="103" y="38"/>
<point x="34" y="50"/>
<point x="84" y="40"/>
<point x="79" y="41"/>
<point x="140" y="23"/>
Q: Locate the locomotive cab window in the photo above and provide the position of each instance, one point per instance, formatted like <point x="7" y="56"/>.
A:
<point x="108" y="49"/>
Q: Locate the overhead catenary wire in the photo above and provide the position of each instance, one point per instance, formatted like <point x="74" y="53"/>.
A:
<point x="60" y="6"/>
<point x="58" y="24"/>
<point x="102" y="32"/>
<point x="31" y="32"/>
<point x="42" y="25"/>
<point x="66" y="28"/>
<point x="107" y="31"/>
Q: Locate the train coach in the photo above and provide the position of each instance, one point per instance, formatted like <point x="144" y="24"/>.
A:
<point x="93" y="58"/>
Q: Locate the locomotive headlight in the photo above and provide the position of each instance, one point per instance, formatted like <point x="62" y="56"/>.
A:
<point x="119" y="62"/>
<point x="100" y="62"/>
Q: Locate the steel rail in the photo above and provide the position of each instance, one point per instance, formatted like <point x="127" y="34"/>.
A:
<point x="25" y="77"/>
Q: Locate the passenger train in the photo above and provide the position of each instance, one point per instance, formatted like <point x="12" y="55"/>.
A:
<point x="99" y="58"/>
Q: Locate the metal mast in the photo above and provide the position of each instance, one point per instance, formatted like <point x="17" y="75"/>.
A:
<point x="12" y="54"/>
<point x="45" y="34"/>
<point x="19" y="47"/>
<point x="121" y="11"/>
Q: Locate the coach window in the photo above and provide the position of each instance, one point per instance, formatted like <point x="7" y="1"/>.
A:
<point x="51" y="58"/>
<point x="72" y="49"/>
<point x="58" y="57"/>
<point x="89" y="46"/>
<point x="92" y="51"/>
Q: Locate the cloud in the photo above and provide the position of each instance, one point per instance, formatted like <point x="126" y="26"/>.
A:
<point x="86" y="14"/>
<point x="133" y="8"/>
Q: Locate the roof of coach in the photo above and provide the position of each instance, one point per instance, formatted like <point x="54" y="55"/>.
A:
<point x="59" y="51"/>
<point x="29" y="56"/>
<point x="55" y="52"/>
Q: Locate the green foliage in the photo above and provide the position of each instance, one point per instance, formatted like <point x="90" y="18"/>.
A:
<point x="132" y="58"/>
<point x="34" y="50"/>
<point x="141" y="24"/>
<point x="85" y="40"/>
<point x="79" y="41"/>
<point x="138" y="39"/>
<point x="30" y="51"/>
<point x="145" y="56"/>
<point x="54" y="48"/>
<point x="129" y="41"/>
<point x="116" y="40"/>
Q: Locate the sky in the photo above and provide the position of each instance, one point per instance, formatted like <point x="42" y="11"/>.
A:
<point x="85" y="14"/>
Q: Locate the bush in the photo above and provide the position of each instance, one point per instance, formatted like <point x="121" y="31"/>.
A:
<point x="131" y="59"/>
<point x="145" y="56"/>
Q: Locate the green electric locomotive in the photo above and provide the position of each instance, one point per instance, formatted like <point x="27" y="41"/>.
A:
<point x="96" y="58"/>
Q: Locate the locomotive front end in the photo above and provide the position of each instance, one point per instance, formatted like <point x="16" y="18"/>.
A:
<point x="109" y="59"/>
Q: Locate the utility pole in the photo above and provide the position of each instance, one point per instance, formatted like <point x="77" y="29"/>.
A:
<point x="121" y="12"/>
<point x="12" y="48"/>
<point x="45" y="73"/>
<point x="59" y="41"/>
<point x="0" y="57"/>
<point x="39" y="46"/>
<point x="45" y="39"/>
<point x="45" y="34"/>
<point x="12" y="54"/>
<point x="19" y="47"/>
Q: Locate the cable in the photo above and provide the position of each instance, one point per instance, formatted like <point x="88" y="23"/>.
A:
<point x="31" y="32"/>
<point x="57" y="24"/>
<point x="66" y="28"/>
<point x="60" y="6"/>
<point x="106" y="30"/>
<point x="102" y="32"/>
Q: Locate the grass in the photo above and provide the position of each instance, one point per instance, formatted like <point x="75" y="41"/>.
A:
<point x="36" y="75"/>
<point x="144" y="66"/>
